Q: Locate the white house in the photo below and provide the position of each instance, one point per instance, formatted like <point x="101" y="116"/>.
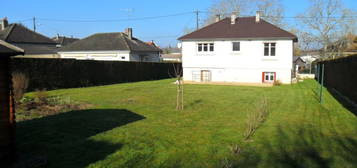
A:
<point x="112" y="46"/>
<point x="244" y="50"/>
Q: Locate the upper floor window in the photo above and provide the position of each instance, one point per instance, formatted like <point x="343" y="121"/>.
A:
<point x="236" y="46"/>
<point x="269" y="49"/>
<point x="205" y="47"/>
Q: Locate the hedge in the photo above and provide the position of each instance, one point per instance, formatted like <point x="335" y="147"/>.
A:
<point x="69" y="73"/>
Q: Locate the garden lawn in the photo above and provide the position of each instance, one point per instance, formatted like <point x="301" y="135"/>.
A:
<point x="136" y="125"/>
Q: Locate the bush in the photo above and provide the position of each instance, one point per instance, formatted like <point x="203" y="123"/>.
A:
<point x="256" y="118"/>
<point x="277" y="83"/>
<point x="41" y="96"/>
<point x="20" y="83"/>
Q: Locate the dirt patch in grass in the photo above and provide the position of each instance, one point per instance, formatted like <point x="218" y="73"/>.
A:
<point x="30" y="108"/>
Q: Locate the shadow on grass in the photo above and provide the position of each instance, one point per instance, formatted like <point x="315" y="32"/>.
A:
<point x="64" y="139"/>
<point x="300" y="147"/>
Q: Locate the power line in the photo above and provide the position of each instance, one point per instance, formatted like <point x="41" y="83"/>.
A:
<point x="115" y="20"/>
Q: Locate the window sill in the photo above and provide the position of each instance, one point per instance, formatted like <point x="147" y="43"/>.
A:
<point x="270" y="58"/>
<point x="205" y="54"/>
<point x="236" y="53"/>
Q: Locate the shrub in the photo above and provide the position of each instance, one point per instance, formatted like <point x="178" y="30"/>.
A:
<point x="41" y="96"/>
<point x="256" y="118"/>
<point x="20" y="83"/>
<point x="277" y="83"/>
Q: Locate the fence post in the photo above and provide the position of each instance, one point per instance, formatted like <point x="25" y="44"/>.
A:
<point x="322" y="82"/>
<point x="318" y="76"/>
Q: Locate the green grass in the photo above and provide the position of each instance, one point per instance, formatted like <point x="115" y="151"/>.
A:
<point x="136" y="125"/>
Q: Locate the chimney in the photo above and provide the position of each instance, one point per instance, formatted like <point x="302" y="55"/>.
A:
<point x="233" y="18"/>
<point x="257" y="17"/>
<point x="129" y="32"/>
<point x="218" y="18"/>
<point x="3" y="23"/>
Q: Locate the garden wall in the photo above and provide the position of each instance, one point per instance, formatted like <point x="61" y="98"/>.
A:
<point x="69" y="73"/>
<point x="341" y="74"/>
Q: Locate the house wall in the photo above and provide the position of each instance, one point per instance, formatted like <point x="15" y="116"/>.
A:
<point x="112" y="55"/>
<point x="97" y="55"/>
<point x="245" y="66"/>
<point x="38" y="56"/>
<point x="147" y="56"/>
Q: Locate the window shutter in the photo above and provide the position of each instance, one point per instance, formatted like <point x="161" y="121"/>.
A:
<point x="262" y="77"/>
<point x="274" y="76"/>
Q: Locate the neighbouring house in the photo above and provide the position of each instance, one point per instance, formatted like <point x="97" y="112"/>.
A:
<point x="299" y="63"/>
<point x="7" y="111"/>
<point x="63" y="40"/>
<point x="171" y="54"/>
<point x="172" y="57"/>
<point x="238" y="49"/>
<point x="117" y="46"/>
<point x="36" y="45"/>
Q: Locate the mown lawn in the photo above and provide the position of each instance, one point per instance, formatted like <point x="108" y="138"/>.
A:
<point x="136" y="125"/>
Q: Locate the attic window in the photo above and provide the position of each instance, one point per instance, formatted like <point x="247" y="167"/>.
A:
<point x="205" y="47"/>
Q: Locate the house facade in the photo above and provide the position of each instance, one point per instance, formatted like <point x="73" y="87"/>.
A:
<point x="244" y="50"/>
<point x="111" y="47"/>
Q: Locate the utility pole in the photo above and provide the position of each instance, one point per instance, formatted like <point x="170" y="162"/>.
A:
<point x="34" y="24"/>
<point x="197" y="13"/>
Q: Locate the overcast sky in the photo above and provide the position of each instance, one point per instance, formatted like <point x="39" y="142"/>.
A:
<point x="67" y="17"/>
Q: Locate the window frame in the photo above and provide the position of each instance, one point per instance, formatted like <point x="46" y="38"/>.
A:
<point x="271" y="46"/>
<point x="233" y="42"/>
<point x="205" y="47"/>
<point x="269" y="75"/>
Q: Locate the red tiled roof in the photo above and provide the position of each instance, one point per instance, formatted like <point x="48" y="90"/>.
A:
<point x="244" y="27"/>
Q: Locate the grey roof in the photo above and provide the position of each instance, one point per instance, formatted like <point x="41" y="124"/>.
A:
<point x="110" y="41"/>
<point x="16" y="33"/>
<point x="63" y="41"/>
<point x="32" y="42"/>
<point x="244" y="27"/>
<point x="296" y="58"/>
<point x="37" y="48"/>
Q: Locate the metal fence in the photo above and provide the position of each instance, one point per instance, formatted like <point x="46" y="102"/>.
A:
<point x="340" y="75"/>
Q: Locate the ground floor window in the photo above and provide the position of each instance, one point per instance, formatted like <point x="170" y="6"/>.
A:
<point x="205" y="76"/>
<point x="269" y="76"/>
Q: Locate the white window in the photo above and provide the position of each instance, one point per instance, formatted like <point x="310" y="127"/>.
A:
<point x="236" y="46"/>
<point x="268" y="77"/>
<point x="205" y="76"/>
<point x="269" y="49"/>
<point x="205" y="47"/>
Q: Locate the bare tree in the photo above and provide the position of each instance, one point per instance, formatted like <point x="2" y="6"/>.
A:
<point x="326" y="21"/>
<point x="226" y="7"/>
<point x="178" y="72"/>
<point x="271" y="10"/>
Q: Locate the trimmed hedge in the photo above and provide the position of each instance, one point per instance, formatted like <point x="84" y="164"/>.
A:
<point x="69" y="73"/>
<point x="341" y="74"/>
